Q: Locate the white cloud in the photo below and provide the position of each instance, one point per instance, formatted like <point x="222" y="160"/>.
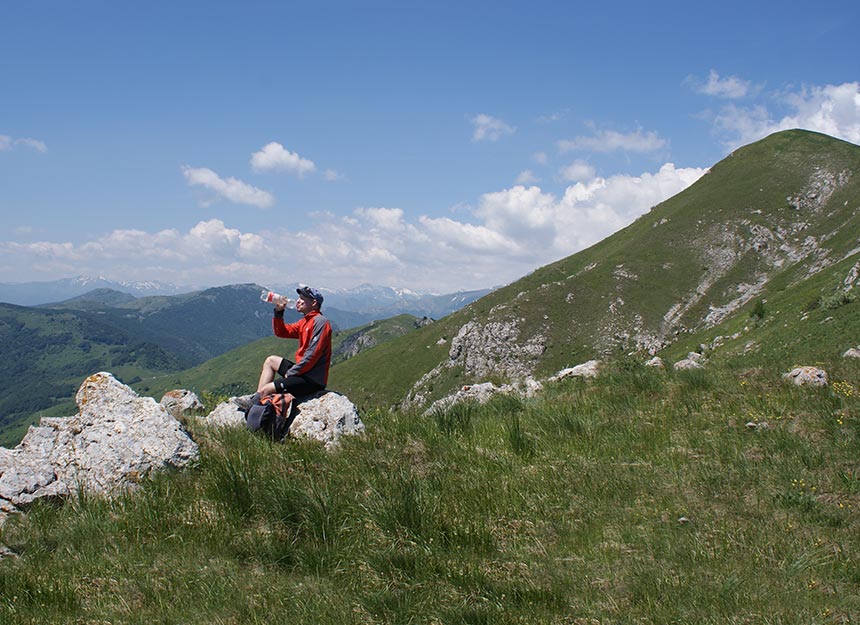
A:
<point x="508" y="234"/>
<point x="208" y="249"/>
<point x="730" y="87"/>
<point x="540" y="157"/>
<point x="610" y="141"/>
<point x="831" y="109"/>
<point x="487" y="128"/>
<point x="577" y="171"/>
<point x="230" y="188"/>
<point x="331" y="175"/>
<point x="553" y="117"/>
<point x="275" y="157"/>
<point x="8" y="143"/>
<point x="527" y="176"/>
<point x="382" y="219"/>
<point x="468" y="239"/>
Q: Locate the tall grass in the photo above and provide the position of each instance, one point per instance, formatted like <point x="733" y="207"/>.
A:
<point x="713" y="496"/>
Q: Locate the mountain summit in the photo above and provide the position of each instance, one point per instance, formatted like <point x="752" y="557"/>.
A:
<point x="768" y="218"/>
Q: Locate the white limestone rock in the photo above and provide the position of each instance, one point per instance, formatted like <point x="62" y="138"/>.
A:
<point x="116" y="439"/>
<point x="692" y="361"/>
<point x="854" y="352"/>
<point x="181" y="402"/>
<point x="807" y="376"/>
<point x="496" y="348"/>
<point x="588" y="369"/>
<point x="479" y="393"/>
<point x="225" y="414"/>
<point x="325" y="417"/>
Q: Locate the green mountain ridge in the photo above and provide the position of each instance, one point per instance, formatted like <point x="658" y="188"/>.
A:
<point x="773" y="219"/>
<point x="197" y="326"/>
<point x="46" y="354"/>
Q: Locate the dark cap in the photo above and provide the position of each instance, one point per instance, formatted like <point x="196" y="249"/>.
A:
<point x="309" y="291"/>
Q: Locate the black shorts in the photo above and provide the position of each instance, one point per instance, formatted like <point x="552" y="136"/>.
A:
<point x="295" y="385"/>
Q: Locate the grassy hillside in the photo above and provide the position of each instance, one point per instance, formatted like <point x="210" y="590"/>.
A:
<point x="350" y="343"/>
<point x="715" y="496"/>
<point x="794" y="323"/>
<point x="384" y="375"/>
<point x="776" y="221"/>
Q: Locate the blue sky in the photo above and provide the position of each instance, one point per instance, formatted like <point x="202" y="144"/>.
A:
<point x="433" y="146"/>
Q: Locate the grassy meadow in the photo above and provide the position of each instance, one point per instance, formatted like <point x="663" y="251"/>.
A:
<point x="721" y="495"/>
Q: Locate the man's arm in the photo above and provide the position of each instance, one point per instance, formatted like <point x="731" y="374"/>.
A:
<point x="284" y="330"/>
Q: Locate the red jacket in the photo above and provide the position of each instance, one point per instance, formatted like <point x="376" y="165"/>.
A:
<point x="313" y="356"/>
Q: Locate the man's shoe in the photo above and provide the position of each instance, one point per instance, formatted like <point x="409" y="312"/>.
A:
<point x="246" y="401"/>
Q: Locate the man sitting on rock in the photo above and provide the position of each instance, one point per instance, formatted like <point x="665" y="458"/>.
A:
<point x="309" y="373"/>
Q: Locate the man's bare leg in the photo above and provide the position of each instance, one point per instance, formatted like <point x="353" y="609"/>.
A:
<point x="267" y="375"/>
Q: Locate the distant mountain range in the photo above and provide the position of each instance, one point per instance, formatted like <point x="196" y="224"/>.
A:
<point x="370" y="302"/>
<point x="36" y="293"/>
<point x="348" y="308"/>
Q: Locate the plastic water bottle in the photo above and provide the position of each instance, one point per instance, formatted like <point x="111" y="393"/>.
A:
<point x="270" y="297"/>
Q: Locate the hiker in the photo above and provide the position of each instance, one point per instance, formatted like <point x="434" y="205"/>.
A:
<point x="309" y="374"/>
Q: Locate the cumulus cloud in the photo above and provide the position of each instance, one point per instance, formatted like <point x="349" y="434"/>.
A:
<point x="527" y="176"/>
<point x="275" y="157"/>
<point x="487" y="128"/>
<point x="577" y="171"/>
<point x="730" y="87"/>
<point x="505" y="236"/>
<point x="231" y="189"/>
<point x="210" y="249"/>
<point x="610" y="141"/>
<point x="9" y="143"/>
<point x="831" y="109"/>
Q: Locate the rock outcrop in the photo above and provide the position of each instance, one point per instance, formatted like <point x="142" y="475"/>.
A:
<point x="692" y="361"/>
<point x="806" y="376"/>
<point x="325" y="417"/>
<point x="481" y="349"/>
<point x="483" y="392"/>
<point x="495" y="347"/>
<point x="180" y="402"/>
<point x="588" y="369"/>
<point x="116" y="440"/>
